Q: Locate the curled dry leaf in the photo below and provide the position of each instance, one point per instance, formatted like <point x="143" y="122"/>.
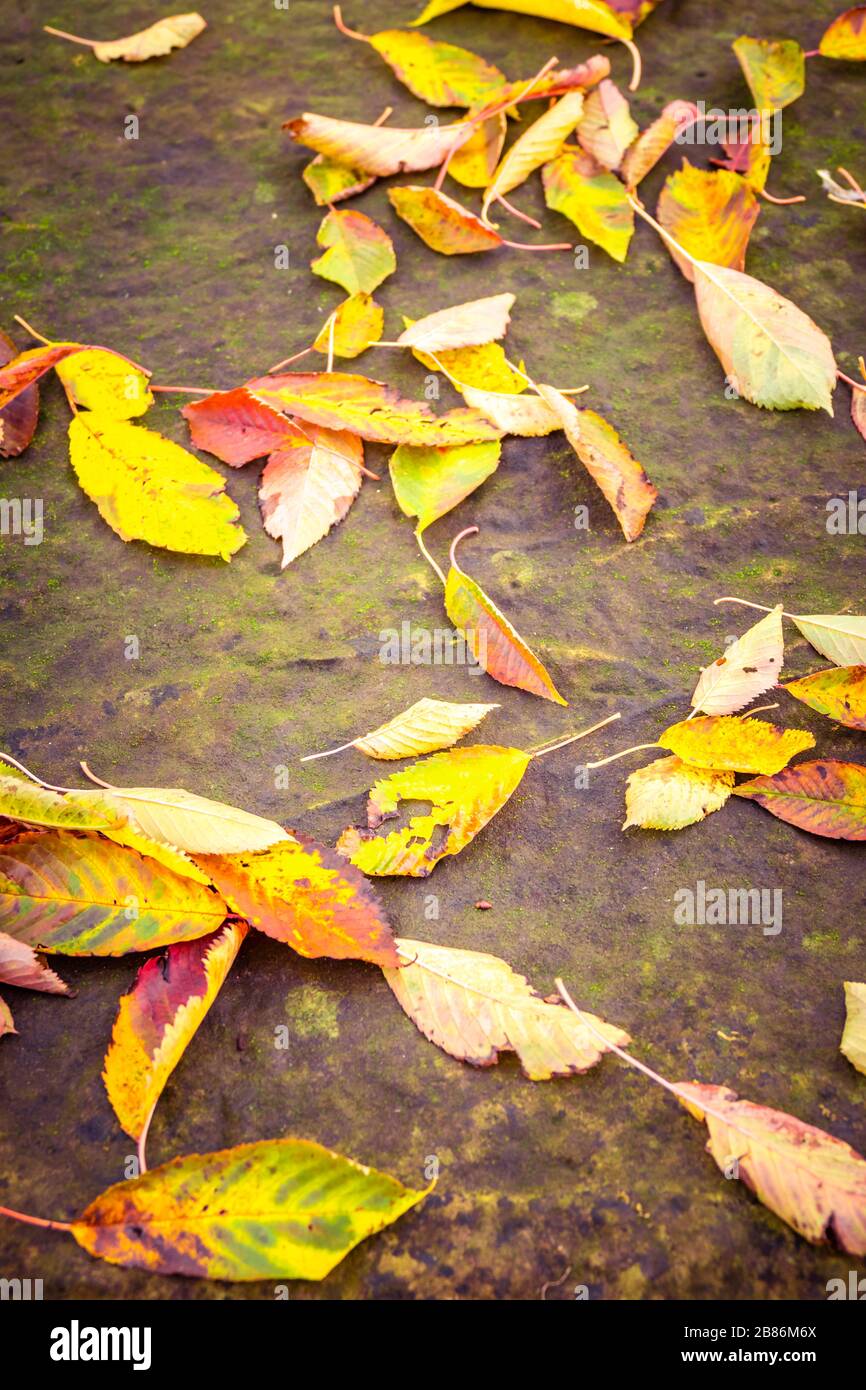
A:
<point x="774" y="70"/>
<point x="773" y="353"/>
<point x="380" y="150"/>
<point x="465" y="788"/>
<point x="20" y="966"/>
<point x="424" y="727"/>
<point x="846" y="36"/>
<point x="276" y="1209"/>
<point x="148" y="488"/>
<point x="429" y="482"/>
<point x="359" y="255"/>
<point x="78" y="895"/>
<point x="654" y="142"/>
<point x="474" y="1006"/>
<point x="559" y="81"/>
<point x="593" y="199"/>
<point x="710" y="213"/>
<point x="668" y="794"/>
<point x="825" y="797"/>
<point x="175" y="31"/>
<point x="853" y="1044"/>
<point x="734" y="743"/>
<point x="441" y="223"/>
<point x="19" y="418"/>
<point x="105" y="382"/>
<point x="535" y="147"/>
<point x="608" y="461"/>
<point x="494" y="643"/>
<point x="840" y="693"/>
<point x="352" y="328"/>
<point x="594" y="15"/>
<point x="370" y="409"/>
<point x="308" y="485"/>
<point x="749" y="666"/>
<point x="816" y="1183"/>
<point x="303" y="894"/>
<point x="463" y="325"/>
<point x="607" y="128"/>
<point x="158" y="1018"/>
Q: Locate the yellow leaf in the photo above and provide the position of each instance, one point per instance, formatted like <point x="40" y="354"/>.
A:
<point x="474" y="162"/>
<point x="358" y="322"/>
<point x="474" y="1006"/>
<point x="816" y="1183"/>
<point x="466" y="787"/>
<point x="308" y="487"/>
<point x="25" y="801"/>
<point x="595" y="200"/>
<point x="105" y="382"/>
<point x="150" y="489"/>
<point x="483" y="368"/>
<point x="710" y="213"/>
<point x="158" y="1017"/>
<point x="846" y="36"/>
<point x="853" y="1044"/>
<point x="195" y="824"/>
<point x="594" y="15"/>
<point x="536" y="146"/>
<point x="669" y="794"/>
<point x="733" y="743"/>
<point x="175" y="31"/>
<point x="424" y="727"/>
<point x="749" y="667"/>
<point x="358" y="254"/>
<point x="530" y="417"/>
<point x="774" y="69"/>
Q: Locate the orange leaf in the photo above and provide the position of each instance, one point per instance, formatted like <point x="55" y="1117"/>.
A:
<point x="441" y="222"/>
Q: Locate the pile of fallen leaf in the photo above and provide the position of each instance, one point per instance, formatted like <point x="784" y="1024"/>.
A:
<point x="116" y="870"/>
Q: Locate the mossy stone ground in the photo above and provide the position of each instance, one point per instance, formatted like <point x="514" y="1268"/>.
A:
<point x="164" y="248"/>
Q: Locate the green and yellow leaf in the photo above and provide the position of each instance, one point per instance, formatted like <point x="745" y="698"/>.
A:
<point x="735" y="743"/>
<point x="825" y="797"/>
<point x="150" y="489"/>
<point x="839" y="693"/>
<point x="158" y="1018"/>
<point x="329" y="181"/>
<point x="594" y="15"/>
<point x="668" y="794"/>
<point x="710" y="213"/>
<point x="474" y="1006"/>
<point x="79" y="895"/>
<point x="359" y="255"/>
<point x="774" y="69"/>
<point x="465" y="788"/>
<point x="26" y="801"/>
<point x="276" y="1209"/>
<point x="440" y="74"/>
<point x="424" y="727"/>
<point x="538" y="145"/>
<point x="484" y="368"/>
<point x="474" y="161"/>
<point x="853" y="1044"/>
<point x="357" y="323"/>
<point x="841" y="637"/>
<point x="429" y="482"/>
<point x="441" y="223"/>
<point x="182" y="820"/>
<point x="595" y="200"/>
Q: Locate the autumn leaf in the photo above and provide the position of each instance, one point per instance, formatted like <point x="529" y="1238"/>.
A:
<point x="654" y="142"/>
<point x="424" y="727"/>
<point x="20" y="966"/>
<point x="735" y="743"/>
<point x="19" y="418"/>
<point x="370" y="409"/>
<point x="465" y="788"/>
<point x="175" y="31"/>
<point x="308" y="485"/>
<point x="26" y="801"/>
<point x="853" y="1044"/>
<point x="593" y="199"/>
<point x="380" y="150"/>
<point x="7" y="1023"/>
<point x="441" y="223"/>
<point x="20" y="372"/>
<point x="622" y="480"/>
<point x="607" y="128"/>
<point x="815" y="1183"/>
<point x="474" y="1006"/>
<point x="773" y="353"/>
<point x="774" y="70"/>
<point x="535" y="147"/>
<point x="429" y="482"/>
<point x="463" y="325"/>
<point x="484" y="366"/>
<point x="494" y="643"/>
<point x="710" y="213"/>
<point x="825" y="797"/>
<point x="440" y="74"/>
<point x="303" y="894"/>
<point x="236" y="426"/>
<point x="668" y="794"/>
<point x="474" y="161"/>
<point x="329" y="181"/>
<point x="105" y="382"/>
<point x="195" y="824"/>
<point x="839" y="693"/>
<point x="352" y="328"/>
<point x="81" y="896"/>
<point x="558" y="81"/>
<point x="858" y="411"/>
<point x="846" y="36"/>
<point x="748" y="156"/>
<point x="359" y="255"/>
<point x="276" y="1209"/>
<point x="749" y="666"/>
<point x="527" y="416"/>
<point x="158" y="1018"/>
<point x="148" y="488"/>
<point x="594" y="15"/>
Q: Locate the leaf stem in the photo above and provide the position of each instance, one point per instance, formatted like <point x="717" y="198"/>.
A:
<point x="187" y="390"/>
<point x="782" y="202"/>
<point x="7" y="758"/>
<point x="142" y="1142"/>
<point x="73" y="38"/>
<point x="636" y="748"/>
<point x="636" y="65"/>
<point x="855" y="385"/>
<point x="515" y="212"/>
<point x="32" y="331"/>
<point x="93" y="778"/>
<point x="35" y="1220"/>
<point x="344" y="28"/>
<point x="329" y="752"/>
<point x="429" y="558"/>
<point x="452" y="553"/>
<point x="541" y="751"/>
<point x="287" y="361"/>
